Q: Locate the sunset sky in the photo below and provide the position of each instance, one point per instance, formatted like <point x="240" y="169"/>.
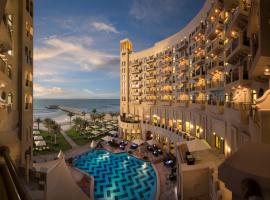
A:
<point x="77" y="42"/>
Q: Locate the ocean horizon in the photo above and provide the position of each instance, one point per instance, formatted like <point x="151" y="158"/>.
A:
<point x="87" y="105"/>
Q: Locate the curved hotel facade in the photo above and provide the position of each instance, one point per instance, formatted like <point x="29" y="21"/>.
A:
<point x="210" y="81"/>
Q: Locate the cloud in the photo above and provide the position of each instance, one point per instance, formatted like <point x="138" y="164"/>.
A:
<point x="58" y="92"/>
<point x="101" y="26"/>
<point x="73" y="54"/>
<point x="153" y="10"/>
<point x="40" y="91"/>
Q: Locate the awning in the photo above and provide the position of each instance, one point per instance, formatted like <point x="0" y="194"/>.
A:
<point x="60" y="182"/>
<point x="138" y="141"/>
<point x="40" y="143"/>
<point x="197" y="145"/>
<point x="151" y="142"/>
<point x="252" y="161"/>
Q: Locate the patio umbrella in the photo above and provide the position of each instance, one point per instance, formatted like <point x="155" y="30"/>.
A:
<point x="38" y="137"/>
<point x="197" y="145"/>
<point x="36" y="132"/>
<point x="95" y="132"/>
<point x="107" y="138"/>
<point x="95" y="127"/>
<point x="113" y="132"/>
<point x="103" y="129"/>
<point x="40" y="143"/>
<point x="109" y="127"/>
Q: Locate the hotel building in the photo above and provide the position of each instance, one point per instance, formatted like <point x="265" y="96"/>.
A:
<point x="210" y="81"/>
<point x="16" y="86"/>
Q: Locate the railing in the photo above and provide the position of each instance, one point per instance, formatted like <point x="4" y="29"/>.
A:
<point x="15" y="189"/>
<point x="215" y="84"/>
<point x="239" y="105"/>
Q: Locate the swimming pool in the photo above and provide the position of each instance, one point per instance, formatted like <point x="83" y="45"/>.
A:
<point x="118" y="175"/>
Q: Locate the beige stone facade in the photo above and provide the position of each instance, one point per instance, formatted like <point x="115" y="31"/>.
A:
<point x="16" y="80"/>
<point x="210" y="80"/>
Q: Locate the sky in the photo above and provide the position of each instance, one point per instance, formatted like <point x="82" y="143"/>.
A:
<point x="76" y="44"/>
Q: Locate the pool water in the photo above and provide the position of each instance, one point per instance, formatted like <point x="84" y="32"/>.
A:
<point x="118" y="175"/>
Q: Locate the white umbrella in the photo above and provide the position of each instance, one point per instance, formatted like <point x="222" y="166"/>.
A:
<point x="138" y="141"/>
<point x="95" y="132"/>
<point x="95" y="127"/>
<point x="40" y="143"/>
<point x="38" y="137"/>
<point x="197" y="145"/>
<point x="113" y="132"/>
<point x="107" y="138"/>
<point x="36" y="132"/>
<point x="109" y="127"/>
<point x="103" y="129"/>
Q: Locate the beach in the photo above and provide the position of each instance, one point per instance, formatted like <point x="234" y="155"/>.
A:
<point x="85" y="105"/>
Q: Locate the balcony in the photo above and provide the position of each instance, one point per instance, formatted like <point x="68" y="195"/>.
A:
<point x="150" y="59"/>
<point x="136" y="71"/>
<point x="199" y="31"/>
<point x="199" y="46"/>
<point x="182" y="45"/>
<point x="215" y="85"/>
<point x="151" y="92"/>
<point x="196" y="74"/>
<point x="137" y="93"/>
<point x="215" y="47"/>
<point x="239" y="111"/>
<point x="237" y="49"/>
<point x="136" y="63"/>
<point x="150" y="76"/>
<point x="214" y="29"/>
<point x="150" y="68"/>
<point x="217" y="6"/>
<point x="197" y="104"/>
<point x="198" y="60"/>
<point x="167" y="54"/>
<point x="238" y="18"/>
<point x="200" y="88"/>
<point x="11" y="185"/>
<point x="214" y="65"/>
<point x="150" y="84"/>
<point x="137" y="86"/>
<point x="216" y="107"/>
<point x="182" y="103"/>
<point x="236" y="76"/>
<point x="135" y="78"/>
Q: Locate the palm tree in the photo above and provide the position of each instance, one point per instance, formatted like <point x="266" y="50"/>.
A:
<point x="70" y="114"/>
<point x="77" y="123"/>
<point x="38" y="121"/>
<point x="48" y="123"/>
<point x="94" y="110"/>
<point x="56" y="128"/>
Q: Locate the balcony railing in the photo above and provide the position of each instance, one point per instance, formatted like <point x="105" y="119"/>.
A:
<point x="14" y="188"/>
<point x="214" y="28"/>
<point x="237" y="49"/>
<point x="215" y="85"/>
<point x="238" y="18"/>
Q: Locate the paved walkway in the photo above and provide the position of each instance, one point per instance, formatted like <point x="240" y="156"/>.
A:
<point x="69" y="140"/>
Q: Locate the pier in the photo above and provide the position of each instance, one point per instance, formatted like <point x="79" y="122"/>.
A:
<point x="75" y="111"/>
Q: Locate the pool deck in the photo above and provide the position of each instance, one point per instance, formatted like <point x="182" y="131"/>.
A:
<point x="165" y="188"/>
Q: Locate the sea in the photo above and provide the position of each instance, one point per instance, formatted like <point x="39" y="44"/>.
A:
<point x="87" y="105"/>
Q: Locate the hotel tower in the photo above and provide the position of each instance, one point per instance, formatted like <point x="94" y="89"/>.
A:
<point x="208" y="81"/>
<point x="16" y="86"/>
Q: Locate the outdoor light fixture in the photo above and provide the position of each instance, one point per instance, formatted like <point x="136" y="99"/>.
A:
<point x="267" y="71"/>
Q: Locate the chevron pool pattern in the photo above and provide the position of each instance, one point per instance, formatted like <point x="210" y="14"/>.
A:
<point x="118" y="175"/>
